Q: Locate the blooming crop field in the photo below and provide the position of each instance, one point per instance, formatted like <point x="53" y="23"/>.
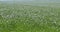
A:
<point x="28" y="18"/>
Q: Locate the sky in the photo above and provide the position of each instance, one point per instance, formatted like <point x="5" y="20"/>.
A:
<point x="34" y="0"/>
<point x="16" y="0"/>
<point x="6" y="0"/>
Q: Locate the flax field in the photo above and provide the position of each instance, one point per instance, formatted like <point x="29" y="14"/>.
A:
<point x="28" y="18"/>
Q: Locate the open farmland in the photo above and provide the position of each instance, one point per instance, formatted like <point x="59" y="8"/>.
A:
<point x="28" y="18"/>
